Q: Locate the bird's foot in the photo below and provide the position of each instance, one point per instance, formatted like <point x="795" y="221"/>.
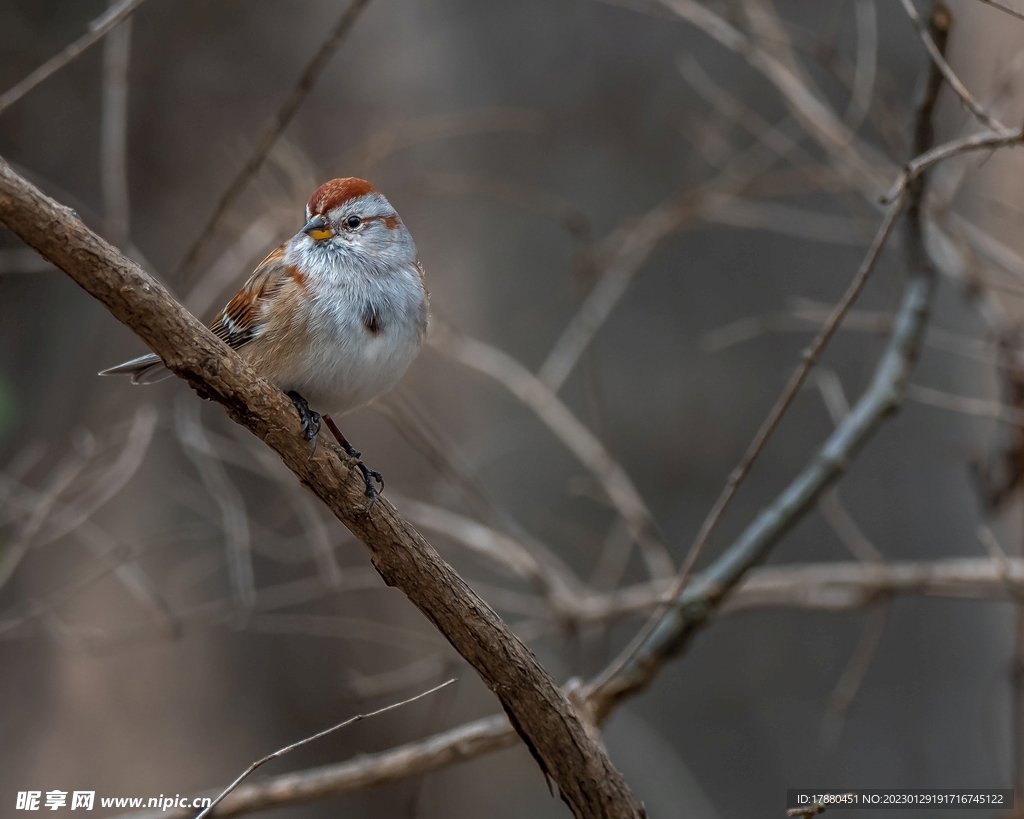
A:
<point x="310" y="418"/>
<point x="369" y="475"/>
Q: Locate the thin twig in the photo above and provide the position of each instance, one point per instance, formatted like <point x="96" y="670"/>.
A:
<point x="967" y="405"/>
<point x="271" y="132"/>
<point x="114" y="133"/>
<point x="289" y="748"/>
<point x="986" y="140"/>
<point x="948" y="74"/>
<point x="229" y="500"/>
<point x="103" y="487"/>
<point x="98" y="29"/>
<point x="846" y="528"/>
<point x="238" y="259"/>
<point x="529" y="389"/>
<point x="482" y="540"/>
<point x="69" y="468"/>
<point x="845" y="691"/>
<point x="1004" y="7"/>
<point x="804" y="312"/>
<point x="556" y="578"/>
<point x="867" y="64"/>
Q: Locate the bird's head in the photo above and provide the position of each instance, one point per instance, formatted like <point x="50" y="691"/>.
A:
<point x="349" y="218"/>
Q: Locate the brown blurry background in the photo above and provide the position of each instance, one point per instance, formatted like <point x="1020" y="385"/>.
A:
<point x="513" y="138"/>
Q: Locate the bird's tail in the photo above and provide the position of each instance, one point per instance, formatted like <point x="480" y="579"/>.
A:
<point x="146" y="369"/>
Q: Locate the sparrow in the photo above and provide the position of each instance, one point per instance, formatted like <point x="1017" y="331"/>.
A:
<point x="333" y="317"/>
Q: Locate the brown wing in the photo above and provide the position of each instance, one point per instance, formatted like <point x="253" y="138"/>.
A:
<point x="241" y="319"/>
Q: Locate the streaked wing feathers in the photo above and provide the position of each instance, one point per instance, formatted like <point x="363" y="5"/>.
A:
<point x="240" y="320"/>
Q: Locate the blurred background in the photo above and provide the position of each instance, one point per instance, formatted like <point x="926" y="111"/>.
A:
<point x="526" y="146"/>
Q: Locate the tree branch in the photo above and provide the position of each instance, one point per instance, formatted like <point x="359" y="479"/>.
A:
<point x="537" y="709"/>
<point x="98" y="29"/>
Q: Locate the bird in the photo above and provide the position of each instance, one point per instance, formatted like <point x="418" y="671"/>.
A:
<point x="333" y="317"/>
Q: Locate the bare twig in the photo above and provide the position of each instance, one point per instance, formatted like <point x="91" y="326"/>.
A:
<point x="986" y="140"/>
<point x="271" y="132"/>
<point x="576" y="437"/>
<point x="98" y="29"/>
<point x="979" y="407"/>
<point x="846" y="528"/>
<point x="480" y="539"/>
<point x="867" y="64"/>
<point x="383" y="142"/>
<point x="840" y="587"/>
<point x="114" y="133"/>
<point x="1004" y="7"/>
<point x="103" y="487"/>
<point x="555" y="577"/>
<point x="289" y="748"/>
<point x="845" y="691"/>
<point x="786" y="220"/>
<point x="936" y="53"/>
<point x="235" y="521"/>
<point x="631" y="247"/>
<point x="236" y="261"/>
<point x="830" y="387"/>
<point x="65" y="472"/>
<point x="458" y="744"/>
<point x="804" y="315"/>
<point x="623" y="253"/>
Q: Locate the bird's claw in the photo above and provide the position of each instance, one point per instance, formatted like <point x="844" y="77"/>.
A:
<point x="369" y="475"/>
<point x="310" y="419"/>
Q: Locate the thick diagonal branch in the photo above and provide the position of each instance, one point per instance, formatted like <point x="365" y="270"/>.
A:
<point x="538" y="710"/>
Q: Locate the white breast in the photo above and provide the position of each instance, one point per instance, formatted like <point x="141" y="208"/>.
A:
<point x="364" y="330"/>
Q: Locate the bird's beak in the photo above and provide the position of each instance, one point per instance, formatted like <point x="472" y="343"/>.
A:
<point x="318" y="228"/>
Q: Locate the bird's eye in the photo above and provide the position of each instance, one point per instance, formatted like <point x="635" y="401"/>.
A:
<point x="353" y="222"/>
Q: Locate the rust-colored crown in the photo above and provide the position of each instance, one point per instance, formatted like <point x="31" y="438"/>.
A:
<point x="337" y="192"/>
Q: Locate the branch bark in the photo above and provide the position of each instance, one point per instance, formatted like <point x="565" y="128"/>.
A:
<point x="536" y="708"/>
